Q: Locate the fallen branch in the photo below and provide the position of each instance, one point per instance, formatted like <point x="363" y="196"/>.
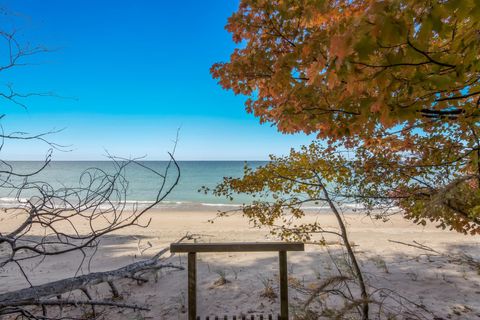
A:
<point x="66" y="302"/>
<point x="460" y="258"/>
<point x="329" y="282"/>
<point x="52" y="289"/>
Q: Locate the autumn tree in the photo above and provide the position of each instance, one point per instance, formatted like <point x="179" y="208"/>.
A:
<point x="282" y="188"/>
<point x="394" y="83"/>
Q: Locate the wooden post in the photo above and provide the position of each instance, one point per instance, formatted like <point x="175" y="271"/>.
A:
<point x="192" y="286"/>
<point x="282" y="255"/>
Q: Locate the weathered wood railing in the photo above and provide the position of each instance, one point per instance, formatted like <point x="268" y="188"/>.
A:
<point x="244" y="317"/>
<point x="193" y="248"/>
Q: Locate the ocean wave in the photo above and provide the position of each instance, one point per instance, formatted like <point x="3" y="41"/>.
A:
<point x="11" y="202"/>
<point x="7" y="202"/>
<point x="220" y="204"/>
<point x="15" y="200"/>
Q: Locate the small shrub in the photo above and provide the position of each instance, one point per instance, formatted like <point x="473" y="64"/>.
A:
<point x="268" y="291"/>
<point x="222" y="278"/>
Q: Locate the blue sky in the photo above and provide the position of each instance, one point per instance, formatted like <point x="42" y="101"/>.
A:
<point x="138" y="71"/>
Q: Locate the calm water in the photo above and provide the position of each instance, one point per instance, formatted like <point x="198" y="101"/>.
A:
<point x="142" y="183"/>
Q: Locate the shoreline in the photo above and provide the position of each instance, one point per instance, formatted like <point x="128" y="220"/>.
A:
<point x="8" y="203"/>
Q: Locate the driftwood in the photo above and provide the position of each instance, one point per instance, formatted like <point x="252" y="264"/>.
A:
<point x="36" y="295"/>
<point x="458" y="258"/>
<point x="76" y="303"/>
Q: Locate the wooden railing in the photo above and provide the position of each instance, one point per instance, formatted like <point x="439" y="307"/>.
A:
<point x="193" y="248"/>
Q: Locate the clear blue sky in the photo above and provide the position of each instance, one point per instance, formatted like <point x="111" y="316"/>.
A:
<point x="138" y="70"/>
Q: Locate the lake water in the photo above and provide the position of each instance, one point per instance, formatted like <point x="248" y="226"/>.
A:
<point x="142" y="183"/>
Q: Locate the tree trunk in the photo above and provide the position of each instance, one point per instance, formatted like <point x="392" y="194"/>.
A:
<point x="351" y="254"/>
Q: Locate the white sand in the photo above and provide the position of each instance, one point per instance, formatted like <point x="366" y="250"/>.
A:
<point x="448" y="290"/>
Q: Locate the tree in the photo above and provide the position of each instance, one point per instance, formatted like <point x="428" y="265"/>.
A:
<point x="395" y="83"/>
<point x="281" y="189"/>
<point x="49" y="217"/>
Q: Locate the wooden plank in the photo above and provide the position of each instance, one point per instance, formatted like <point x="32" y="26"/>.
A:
<point x="192" y="286"/>
<point x="237" y="247"/>
<point x="282" y="255"/>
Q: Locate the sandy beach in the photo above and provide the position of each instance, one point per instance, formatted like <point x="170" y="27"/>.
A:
<point x="435" y="283"/>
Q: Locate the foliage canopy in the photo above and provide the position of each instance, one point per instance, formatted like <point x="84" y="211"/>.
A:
<point x="396" y="83"/>
<point x="342" y="68"/>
